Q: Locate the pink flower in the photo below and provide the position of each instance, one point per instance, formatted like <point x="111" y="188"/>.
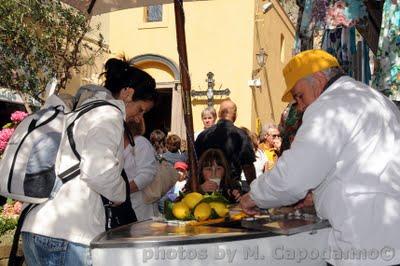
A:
<point x="5" y="135"/>
<point x="18" y="116"/>
<point x="17" y="207"/>
<point x="8" y="211"/>
<point x="12" y="210"/>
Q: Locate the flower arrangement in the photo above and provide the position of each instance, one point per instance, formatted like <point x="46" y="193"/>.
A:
<point x="8" y="129"/>
<point x="10" y="212"/>
<point x="5" y="135"/>
<point x="9" y="215"/>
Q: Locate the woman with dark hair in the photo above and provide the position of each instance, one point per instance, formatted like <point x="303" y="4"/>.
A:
<point x="59" y="231"/>
<point x="214" y="175"/>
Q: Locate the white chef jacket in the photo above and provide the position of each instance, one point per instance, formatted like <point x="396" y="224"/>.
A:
<point x="348" y="151"/>
<point x="141" y="166"/>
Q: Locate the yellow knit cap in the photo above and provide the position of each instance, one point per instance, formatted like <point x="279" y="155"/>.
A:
<point x="303" y="65"/>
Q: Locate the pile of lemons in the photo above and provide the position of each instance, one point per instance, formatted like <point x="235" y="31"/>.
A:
<point x="200" y="207"/>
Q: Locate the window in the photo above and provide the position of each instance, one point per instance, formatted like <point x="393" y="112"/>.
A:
<point x="154" y="13"/>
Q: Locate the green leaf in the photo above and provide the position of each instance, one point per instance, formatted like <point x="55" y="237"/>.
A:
<point x="8" y="125"/>
<point x="10" y="201"/>
<point x="168" y="210"/>
<point x="214" y="197"/>
<point x="214" y="214"/>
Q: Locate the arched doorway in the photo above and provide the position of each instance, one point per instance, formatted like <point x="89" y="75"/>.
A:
<point x="167" y="115"/>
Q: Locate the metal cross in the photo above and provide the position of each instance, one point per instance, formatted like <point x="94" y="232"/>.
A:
<point x="210" y="90"/>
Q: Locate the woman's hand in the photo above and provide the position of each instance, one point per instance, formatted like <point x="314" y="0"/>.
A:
<point x="209" y="186"/>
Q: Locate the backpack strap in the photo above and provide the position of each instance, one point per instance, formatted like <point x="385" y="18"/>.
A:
<point x="13" y="258"/>
<point x="81" y="111"/>
<point x="74" y="170"/>
<point x="70" y="173"/>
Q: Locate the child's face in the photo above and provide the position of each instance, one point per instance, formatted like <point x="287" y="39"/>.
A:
<point x="214" y="171"/>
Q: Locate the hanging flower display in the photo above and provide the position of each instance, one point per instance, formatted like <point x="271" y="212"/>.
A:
<point x="8" y="129"/>
<point x="10" y="212"/>
<point x="18" y="116"/>
<point x="5" y="135"/>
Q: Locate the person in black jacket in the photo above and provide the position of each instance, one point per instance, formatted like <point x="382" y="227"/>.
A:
<point x="231" y="140"/>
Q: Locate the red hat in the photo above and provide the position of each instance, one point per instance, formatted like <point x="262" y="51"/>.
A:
<point x="181" y="166"/>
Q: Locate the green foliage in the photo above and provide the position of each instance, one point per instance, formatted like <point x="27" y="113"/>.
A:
<point x="214" y="197"/>
<point x="7" y="224"/>
<point x="41" y="39"/>
<point x="8" y="125"/>
<point x="168" y="210"/>
<point x="10" y="201"/>
<point x="214" y="214"/>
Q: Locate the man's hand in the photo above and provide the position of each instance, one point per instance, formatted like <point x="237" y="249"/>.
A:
<point x="248" y="205"/>
<point x="235" y="194"/>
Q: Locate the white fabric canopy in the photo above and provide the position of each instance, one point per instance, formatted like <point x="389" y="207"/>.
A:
<point x="104" y="6"/>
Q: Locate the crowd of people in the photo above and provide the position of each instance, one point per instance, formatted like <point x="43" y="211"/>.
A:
<point x="337" y="145"/>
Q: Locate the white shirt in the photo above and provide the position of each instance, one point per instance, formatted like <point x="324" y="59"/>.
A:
<point x="76" y="213"/>
<point x="141" y="167"/>
<point x="348" y="151"/>
<point x="259" y="164"/>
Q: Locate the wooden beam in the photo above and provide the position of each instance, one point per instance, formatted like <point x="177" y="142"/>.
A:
<point x="371" y="30"/>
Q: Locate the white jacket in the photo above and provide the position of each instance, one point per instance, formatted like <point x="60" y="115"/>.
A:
<point x="141" y="166"/>
<point x="348" y="151"/>
<point x="76" y="213"/>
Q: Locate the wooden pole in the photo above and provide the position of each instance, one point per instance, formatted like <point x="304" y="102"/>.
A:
<point x="186" y="86"/>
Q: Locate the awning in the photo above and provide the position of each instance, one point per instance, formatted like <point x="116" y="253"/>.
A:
<point x="7" y="95"/>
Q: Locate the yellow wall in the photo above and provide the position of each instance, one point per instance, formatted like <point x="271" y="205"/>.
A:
<point x="273" y="31"/>
<point x="221" y="37"/>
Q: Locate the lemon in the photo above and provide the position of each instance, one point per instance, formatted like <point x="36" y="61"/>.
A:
<point x="220" y="208"/>
<point x="192" y="199"/>
<point x="202" y="211"/>
<point x="180" y="210"/>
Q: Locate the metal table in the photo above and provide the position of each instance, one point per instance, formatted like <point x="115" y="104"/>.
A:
<point x="156" y="243"/>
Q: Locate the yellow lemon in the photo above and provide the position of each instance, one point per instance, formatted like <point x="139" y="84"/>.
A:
<point x="202" y="211"/>
<point x="180" y="210"/>
<point x="220" y="208"/>
<point x="192" y="199"/>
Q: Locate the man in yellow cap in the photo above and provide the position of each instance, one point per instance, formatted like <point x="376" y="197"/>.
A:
<point x="347" y="151"/>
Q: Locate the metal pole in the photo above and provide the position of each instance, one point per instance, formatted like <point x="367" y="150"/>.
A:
<point x="186" y="86"/>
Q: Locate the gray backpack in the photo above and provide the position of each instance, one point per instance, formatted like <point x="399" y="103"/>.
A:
<point x="27" y="169"/>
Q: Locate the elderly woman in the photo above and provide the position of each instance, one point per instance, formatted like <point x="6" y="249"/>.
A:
<point x="208" y="117"/>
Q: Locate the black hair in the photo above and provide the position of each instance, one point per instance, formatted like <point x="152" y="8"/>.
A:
<point x="120" y="74"/>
